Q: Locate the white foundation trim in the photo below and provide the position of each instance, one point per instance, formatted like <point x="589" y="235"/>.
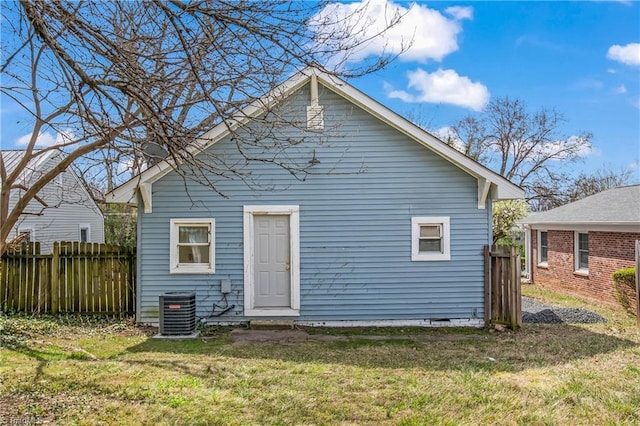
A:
<point x="460" y="322"/>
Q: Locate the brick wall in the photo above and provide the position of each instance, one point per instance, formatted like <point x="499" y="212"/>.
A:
<point x="608" y="252"/>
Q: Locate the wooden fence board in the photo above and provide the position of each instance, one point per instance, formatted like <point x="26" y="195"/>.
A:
<point x="502" y="286"/>
<point x="638" y="282"/>
<point x="75" y="277"/>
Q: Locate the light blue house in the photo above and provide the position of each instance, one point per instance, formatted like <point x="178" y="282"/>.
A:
<point x="373" y="221"/>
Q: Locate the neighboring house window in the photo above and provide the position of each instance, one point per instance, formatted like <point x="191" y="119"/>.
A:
<point x="543" y="247"/>
<point x="85" y="232"/>
<point x="29" y="233"/>
<point x="582" y="251"/>
<point x="192" y="248"/>
<point x="430" y="238"/>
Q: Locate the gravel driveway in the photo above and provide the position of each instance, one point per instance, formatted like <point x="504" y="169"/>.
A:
<point x="534" y="311"/>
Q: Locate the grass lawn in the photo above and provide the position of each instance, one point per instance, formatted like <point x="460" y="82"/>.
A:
<point x="94" y="371"/>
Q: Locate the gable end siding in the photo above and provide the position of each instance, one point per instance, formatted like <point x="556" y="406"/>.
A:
<point x="69" y="205"/>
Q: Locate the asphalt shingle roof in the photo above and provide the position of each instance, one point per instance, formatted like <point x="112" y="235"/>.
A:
<point x="614" y="206"/>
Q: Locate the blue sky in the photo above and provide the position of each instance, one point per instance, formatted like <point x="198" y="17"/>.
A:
<point x="550" y="54"/>
<point x="580" y="58"/>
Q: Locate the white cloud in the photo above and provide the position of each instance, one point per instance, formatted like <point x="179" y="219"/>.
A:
<point x="46" y="139"/>
<point x="459" y="12"/>
<point x="611" y="71"/>
<point x="620" y="90"/>
<point x="624" y="2"/>
<point x="443" y="86"/>
<point x="561" y="150"/>
<point x="628" y="54"/>
<point x="588" y="83"/>
<point x="430" y="34"/>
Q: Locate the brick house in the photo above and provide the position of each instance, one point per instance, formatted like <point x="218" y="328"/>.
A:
<point x="576" y="248"/>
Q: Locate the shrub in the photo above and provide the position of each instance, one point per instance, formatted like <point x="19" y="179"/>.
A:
<point x="624" y="283"/>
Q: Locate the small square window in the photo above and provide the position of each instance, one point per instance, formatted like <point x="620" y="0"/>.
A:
<point x="29" y="235"/>
<point x="192" y="248"/>
<point x="430" y="238"/>
<point x="85" y="232"/>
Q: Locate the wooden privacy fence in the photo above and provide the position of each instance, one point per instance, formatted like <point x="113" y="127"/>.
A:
<point x="638" y="282"/>
<point x="502" y="292"/>
<point x="76" y="277"/>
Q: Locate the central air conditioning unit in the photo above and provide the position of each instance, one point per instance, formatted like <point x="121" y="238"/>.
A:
<point x="177" y="314"/>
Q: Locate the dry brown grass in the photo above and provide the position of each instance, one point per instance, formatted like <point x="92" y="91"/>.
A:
<point x="106" y="373"/>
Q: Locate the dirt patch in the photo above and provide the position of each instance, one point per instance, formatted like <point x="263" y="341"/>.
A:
<point x="247" y="337"/>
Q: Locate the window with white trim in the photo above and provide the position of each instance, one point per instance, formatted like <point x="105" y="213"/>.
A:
<point x="85" y="232"/>
<point x="192" y="249"/>
<point x="30" y="235"/>
<point x="430" y="238"/>
<point x="582" y="252"/>
<point x="543" y="247"/>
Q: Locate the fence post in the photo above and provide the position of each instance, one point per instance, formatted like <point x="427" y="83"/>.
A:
<point x="4" y="262"/>
<point x="518" y="289"/>
<point x="638" y="282"/>
<point x="487" y="286"/>
<point x="513" y="288"/>
<point x="55" y="278"/>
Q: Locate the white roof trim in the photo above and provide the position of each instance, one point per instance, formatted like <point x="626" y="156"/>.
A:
<point x="504" y="189"/>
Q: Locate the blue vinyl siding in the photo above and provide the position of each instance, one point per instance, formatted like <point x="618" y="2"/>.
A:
<point x="355" y="226"/>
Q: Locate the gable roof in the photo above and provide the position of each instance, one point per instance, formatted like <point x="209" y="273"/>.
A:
<point x="12" y="158"/>
<point x="503" y="188"/>
<point x="40" y="159"/>
<point x="614" y="207"/>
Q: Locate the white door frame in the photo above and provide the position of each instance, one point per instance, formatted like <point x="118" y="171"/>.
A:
<point x="249" y="251"/>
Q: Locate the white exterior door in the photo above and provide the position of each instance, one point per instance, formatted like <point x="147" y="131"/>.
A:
<point x="271" y="261"/>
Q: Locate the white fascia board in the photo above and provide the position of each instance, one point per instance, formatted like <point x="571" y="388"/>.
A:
<point x="505" y="189"/>
<point x="508" y="192"/>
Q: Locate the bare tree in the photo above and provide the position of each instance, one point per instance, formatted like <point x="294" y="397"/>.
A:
<point x="108" y="77"/>
<point x="570" y="189"/>
<point x="523" y="146"/>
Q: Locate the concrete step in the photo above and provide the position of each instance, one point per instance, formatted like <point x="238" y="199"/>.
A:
<point x="271" y="324"/>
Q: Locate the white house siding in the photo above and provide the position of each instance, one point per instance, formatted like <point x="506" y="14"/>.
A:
<point x="70" y="205"/>
<point x="355" y="227"/>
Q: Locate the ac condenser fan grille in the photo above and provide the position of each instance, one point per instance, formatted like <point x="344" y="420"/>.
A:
<point x="177" y="314"/>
